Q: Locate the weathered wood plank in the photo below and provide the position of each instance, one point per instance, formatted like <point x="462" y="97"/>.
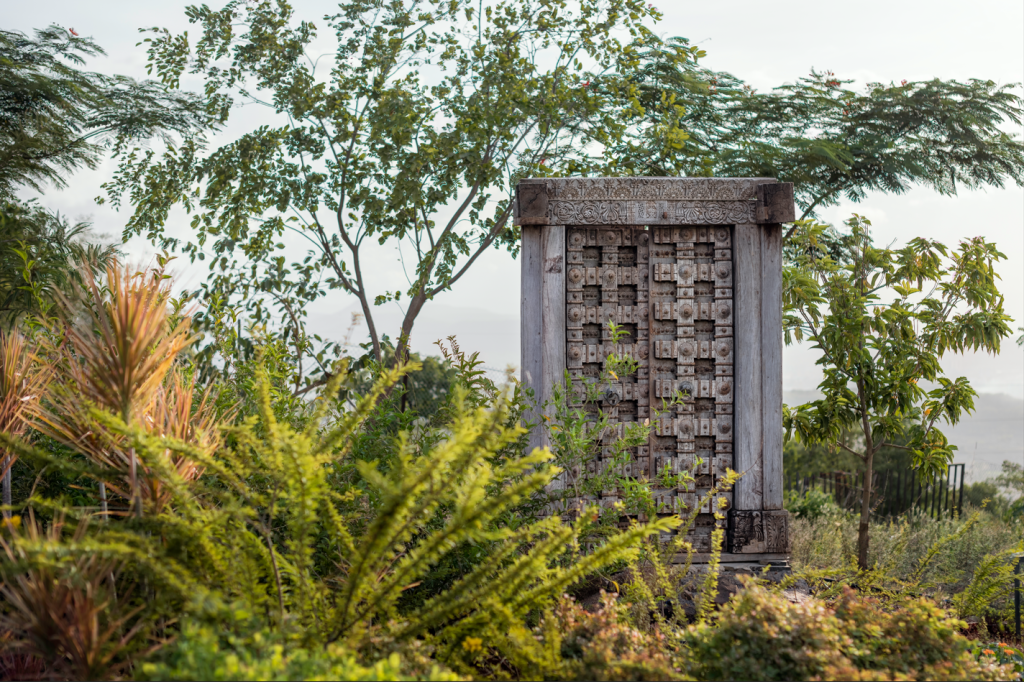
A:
<point x="531" y="203"/>
<point x="531" y="258"/>
<point x="775" y="203"/>
<point x="747" y="347"/>
<point x="771" y="363"/>
<point x="552" y="315"/>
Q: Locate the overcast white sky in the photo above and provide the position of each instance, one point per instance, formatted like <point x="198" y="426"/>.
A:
<point x="871" y="40"/>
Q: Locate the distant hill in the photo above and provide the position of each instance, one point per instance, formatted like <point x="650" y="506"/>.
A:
<point x="995" y="432"/>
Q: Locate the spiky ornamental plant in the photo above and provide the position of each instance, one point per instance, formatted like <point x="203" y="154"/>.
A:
<point x="61" y="601"/>
<point x="181" y="412"/>
<point x="22" y="380"/>
<point x="117" y="356"/>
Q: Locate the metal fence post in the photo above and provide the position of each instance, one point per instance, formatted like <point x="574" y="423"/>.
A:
<point x="1016" y="593"/>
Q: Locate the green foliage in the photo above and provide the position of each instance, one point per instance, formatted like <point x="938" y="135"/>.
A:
<point x="412" y="135"/>
<point x="802" y="459"/>
<point x="883" y="320"/>
<point x="215" y="652"/>
<point x="1012" y="480"/>
<point x="991" y="583"/>
<point x="810" y="505"/>
<point x="761" y="635"/>
<point x="1002" y="495"/>
<point x="56" y="118"/>
<point x="917" y="639"/>
<point x="41" y="260"/>
<point x="831" y="141"/>
<point x="983" y="493"/>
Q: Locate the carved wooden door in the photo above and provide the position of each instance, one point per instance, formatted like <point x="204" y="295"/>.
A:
<point x="691" y="270"/>
<point x="683" y="276"/>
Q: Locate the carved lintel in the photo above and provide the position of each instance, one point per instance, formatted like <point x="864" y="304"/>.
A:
<point x="647" y="201"/>
<point x="775" y="203"/>
<point x="622" y="212"/>
<point x="655" y="189"/>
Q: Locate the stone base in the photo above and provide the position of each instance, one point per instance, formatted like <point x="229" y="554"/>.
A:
<point x="758" y="532"/>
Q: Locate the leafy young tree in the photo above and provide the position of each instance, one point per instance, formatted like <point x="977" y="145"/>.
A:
<point x="404" y="126"/>
<point x="883" y="319"/>
<point x="828" y="139"/>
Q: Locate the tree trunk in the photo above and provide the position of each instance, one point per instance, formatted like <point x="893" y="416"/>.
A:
<point x="415" y="306"/>
<point x="865" y="512"/>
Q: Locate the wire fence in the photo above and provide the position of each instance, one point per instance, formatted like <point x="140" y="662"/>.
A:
<point x="893" y="492"/>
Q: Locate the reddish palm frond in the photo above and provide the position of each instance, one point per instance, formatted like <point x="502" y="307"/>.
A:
<point x="174" y="414"/>
<point x="128" y="347"/>
<point x="119" y="358"/>
<point x="59" y="607"/>
<point x="22" y="380"/>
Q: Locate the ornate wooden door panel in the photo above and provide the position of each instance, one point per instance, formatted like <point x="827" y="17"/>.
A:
<point x="657" y="257"/>
<point x="670" y="289"/>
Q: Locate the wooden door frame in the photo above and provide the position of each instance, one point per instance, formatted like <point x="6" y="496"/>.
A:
<point x="756" y="207"/>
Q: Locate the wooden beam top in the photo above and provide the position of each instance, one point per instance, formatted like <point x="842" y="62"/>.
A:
<point x="775" y="203"/>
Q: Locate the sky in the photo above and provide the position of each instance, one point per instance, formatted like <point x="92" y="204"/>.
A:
<point x="867" y="41"/>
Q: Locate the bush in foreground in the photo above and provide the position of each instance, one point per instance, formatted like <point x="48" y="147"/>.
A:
<point x="761" y="635"/>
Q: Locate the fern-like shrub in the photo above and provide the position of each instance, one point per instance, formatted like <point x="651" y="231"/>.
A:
<point x="284" y="520"/>
<point x="215" y="652"/>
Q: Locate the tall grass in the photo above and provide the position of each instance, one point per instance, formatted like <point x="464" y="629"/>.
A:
<point x="900" y="545"/>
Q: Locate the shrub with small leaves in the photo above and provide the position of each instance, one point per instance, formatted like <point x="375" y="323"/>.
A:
<point x="603" y="645"/>
<point x="916" y="639"/>
<point x="761" y="635"/>
<point x="810" y="505"/>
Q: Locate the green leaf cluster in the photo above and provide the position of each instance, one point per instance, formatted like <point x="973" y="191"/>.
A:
<point x="831" y="140"/>
<point x="410" y="131"/>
